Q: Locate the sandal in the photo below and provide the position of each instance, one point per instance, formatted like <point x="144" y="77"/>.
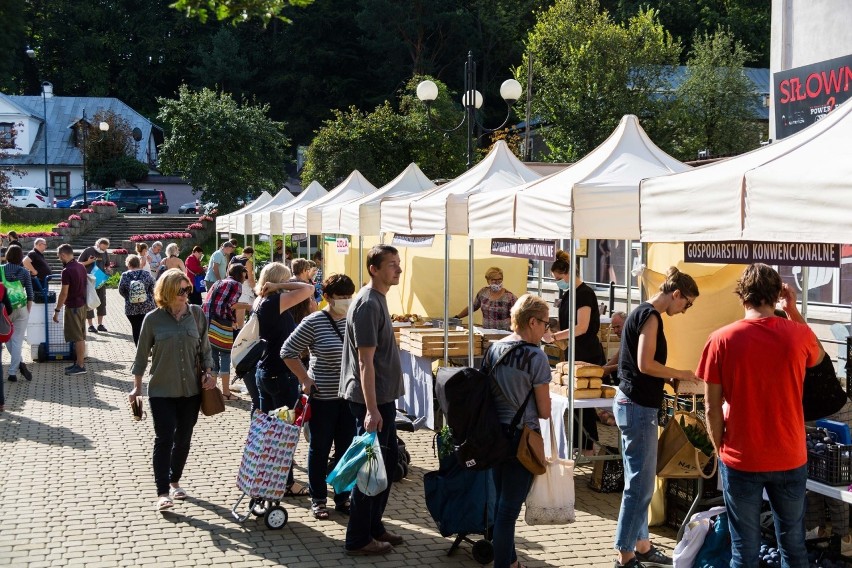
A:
<point x="296" y="490"/>
<point x="177" y="493"/>
<point x="319" y="511"/>
<point x="164" y="503"/>
<point x="343" y="507"/>
<point x="231" y="396"/>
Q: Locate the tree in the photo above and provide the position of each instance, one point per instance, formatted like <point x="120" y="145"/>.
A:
<point x="589" y="71"/>
<point x="224" y="149"/>
<point x="7" y="172"/>
<point x="111" y="155"/>
<point x="237" y="11"/>
<point x="380" y="144"/>
<point x="224" y="66"/>
<point x="716" y="102"/>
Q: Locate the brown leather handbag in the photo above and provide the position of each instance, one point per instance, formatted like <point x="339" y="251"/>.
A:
<point x="212" y="400"/>
<point x="531" y="451"/>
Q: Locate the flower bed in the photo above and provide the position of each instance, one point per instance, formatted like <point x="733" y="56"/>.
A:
<point x="75" y="217"/>
<point x="119" y="251"/>
<point x="102" y="204"/>
<point x="35" y="235"/>
<point x="195" y="227"/>
<point x="64" y="224"/>
<point x="159" y="237"/>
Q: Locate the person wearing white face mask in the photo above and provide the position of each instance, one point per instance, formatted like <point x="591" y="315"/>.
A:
<point x="321" y="333"/>
<point x="495" y="302"/>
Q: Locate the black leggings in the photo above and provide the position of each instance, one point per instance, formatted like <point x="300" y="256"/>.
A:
<point x="136" y="326"/>
<point x="174" y="420"/>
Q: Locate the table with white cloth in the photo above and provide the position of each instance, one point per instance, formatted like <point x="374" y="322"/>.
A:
<point x="558" y="408"/>
<point x="419" y="387"/>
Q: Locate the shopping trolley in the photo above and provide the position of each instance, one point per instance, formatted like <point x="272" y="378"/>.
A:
<point x="42" y="331"/>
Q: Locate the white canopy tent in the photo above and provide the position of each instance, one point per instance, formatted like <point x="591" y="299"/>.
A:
<point x="241" y="222"/>
<point x="361" y="216"/>
<point x="597" y="197"/>
<point x="268" y="222"/>
<point x="223" y="222"/>
<point x="445" y="210"/>
<point x="308" y="218"/>
<point x="715" y="202"/>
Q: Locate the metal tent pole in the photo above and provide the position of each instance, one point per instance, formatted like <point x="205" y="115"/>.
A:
<point x="571" y="342"/>
<point x="628" y="280"/>
<point x="446" y="300"/>
<point x="470" y="302"/>
<point x="805" y="287"/>
<point x="360" y="261"/>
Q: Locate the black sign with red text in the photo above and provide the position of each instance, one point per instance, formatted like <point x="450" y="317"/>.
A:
<point x="806" y="94"/>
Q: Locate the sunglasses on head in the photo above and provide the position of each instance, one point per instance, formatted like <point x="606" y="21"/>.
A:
<point x="185" y="291"/>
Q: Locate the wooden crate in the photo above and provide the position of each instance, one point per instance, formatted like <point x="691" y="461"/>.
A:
<point x="429" y="342"/>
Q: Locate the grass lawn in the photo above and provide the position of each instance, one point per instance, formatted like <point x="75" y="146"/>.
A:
<point x="26" y="227"/>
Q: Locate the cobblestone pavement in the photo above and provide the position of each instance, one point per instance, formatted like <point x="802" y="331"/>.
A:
<point x="77" y="487"/>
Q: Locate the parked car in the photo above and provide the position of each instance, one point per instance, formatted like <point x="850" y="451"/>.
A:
<point x="76" y="202"/>
<point x="190" y="208"/>
<point x="135" y="200"/>
<point x="28" y="197"/>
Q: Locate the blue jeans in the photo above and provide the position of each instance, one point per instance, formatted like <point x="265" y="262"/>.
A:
<point x="174" y="419"/>
<point x="638" y="425"/>
<point x="743" y="492"/>
<point x="331" y="422"/>
<point x="275" y="391"/>
<point x="365" y="517"/>
<point x="221" y="361"/>
<point x="512" y="482"/>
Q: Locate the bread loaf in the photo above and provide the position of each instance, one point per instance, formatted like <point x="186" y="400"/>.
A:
<point x="563" y="367"/>
<point x="595" y="383"/>
<point x="607" y="391"/>
<point x="587" y="393"/>
<point x="581" y="383"/>
<point x="587" y="370"/>
<point x="555" y="378"/>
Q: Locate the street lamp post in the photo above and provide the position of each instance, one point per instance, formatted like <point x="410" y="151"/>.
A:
<point x="427" y="92"/>
<point x="46" y="87"/>
<point x="510" y="90"/>
<point x="103" y="127"/>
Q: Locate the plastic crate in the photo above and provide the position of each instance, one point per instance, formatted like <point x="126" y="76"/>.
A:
<point x="832" y="468"/>
<point x="676" y="511"/>
<point x="688" y="403"/>
<point x="686" y="488"/>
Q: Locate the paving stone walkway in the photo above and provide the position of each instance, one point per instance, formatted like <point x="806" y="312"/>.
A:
<point x="76" y="488"/>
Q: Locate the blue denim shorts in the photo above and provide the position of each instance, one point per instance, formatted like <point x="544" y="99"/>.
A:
<point x="221" y="361"/>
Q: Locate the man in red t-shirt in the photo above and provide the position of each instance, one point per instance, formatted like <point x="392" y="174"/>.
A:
<point x="73" y="296"/>
<point x="756" y="367"/>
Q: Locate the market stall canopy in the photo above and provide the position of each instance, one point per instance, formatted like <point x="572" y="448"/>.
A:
<point x="308" y="219"/>
<point x="445" y="209"/>
<point x="710" y="203"/>
<point x="223" y="222"/>
<point x="361" y="216"/>
<point x="806" y="194"/>
<point x="269" y="222"/>
<point x="597" y="197"/>
<point x="241" y="222"/>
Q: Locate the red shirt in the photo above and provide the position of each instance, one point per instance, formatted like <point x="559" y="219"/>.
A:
<point x="760" y="364"/>
<point x="75" y="277"/>
<point x="193" y="267"/>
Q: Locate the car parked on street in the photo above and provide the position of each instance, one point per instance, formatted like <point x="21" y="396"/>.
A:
<point x="135" y="200"/>
<point x="76" y="201"/>
<point x="28" y="197"/>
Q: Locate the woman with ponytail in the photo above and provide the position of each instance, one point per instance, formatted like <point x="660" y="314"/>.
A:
<point x="642" y="372"/>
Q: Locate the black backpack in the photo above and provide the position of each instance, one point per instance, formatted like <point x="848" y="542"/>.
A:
<point x="467" y="400"/>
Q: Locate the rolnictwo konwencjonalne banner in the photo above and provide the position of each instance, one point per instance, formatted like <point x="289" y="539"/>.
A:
<point x="806" y="94"/>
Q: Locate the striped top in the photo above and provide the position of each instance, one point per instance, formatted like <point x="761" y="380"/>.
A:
<point x="316" y="334"/>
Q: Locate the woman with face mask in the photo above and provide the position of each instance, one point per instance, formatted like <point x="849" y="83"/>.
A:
<point x="321" y="333"/>
<point x="587" y="322"/>
<point x="495" y="302"/>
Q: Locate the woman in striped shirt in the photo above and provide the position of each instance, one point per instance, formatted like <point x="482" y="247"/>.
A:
<point x="321" y="333"/>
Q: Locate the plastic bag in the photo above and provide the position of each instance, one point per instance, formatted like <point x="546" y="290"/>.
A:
<point x="694" y="535"/>
<point x="344" y="475"/>
<point x="92" y="300"/>
<point x="372" y="475"/>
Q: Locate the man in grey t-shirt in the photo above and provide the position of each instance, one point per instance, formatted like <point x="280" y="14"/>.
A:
<point x="371" y="381"/>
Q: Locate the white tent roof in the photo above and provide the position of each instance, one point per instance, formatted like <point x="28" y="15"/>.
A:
<point x="223" y="222"/>
<point x="805" y="195"/>
<point x="308" y="219"/>
<point x="269" y="222"/>
<point x="361" y="216"/>
<point x="710" y="203"/>
<point x="445" y="209"/>
<point x="597" y="197"/>
<point x="241" y="222"/>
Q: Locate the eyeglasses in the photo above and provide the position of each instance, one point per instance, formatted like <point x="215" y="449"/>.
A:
<point x="688" y="303"/>
<point x="545" y="322"/>
<point x="186" y="291"/>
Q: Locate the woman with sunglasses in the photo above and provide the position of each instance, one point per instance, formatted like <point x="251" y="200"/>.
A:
<point x="587" y="346"/>
<point x="174" y="336"/>
<point x="642" y="373"/>
<point x="524" y="375"/>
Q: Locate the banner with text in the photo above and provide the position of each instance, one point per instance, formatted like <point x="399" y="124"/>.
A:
<point x="342" y="245"/>
<point x="748" y="252"/>
<point x="524" y="248"/>
<point x="412" y="240"/>
<point x="299" y="237"/>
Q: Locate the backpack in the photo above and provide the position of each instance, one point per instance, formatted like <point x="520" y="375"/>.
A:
<point x="466" y="397"/>
<point x="137" y="293"/>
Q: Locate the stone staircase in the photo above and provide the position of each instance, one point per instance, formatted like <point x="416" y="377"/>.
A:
<point x="121" y="228"/>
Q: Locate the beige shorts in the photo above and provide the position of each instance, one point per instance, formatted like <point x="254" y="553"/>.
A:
<point x="75" y="324"/>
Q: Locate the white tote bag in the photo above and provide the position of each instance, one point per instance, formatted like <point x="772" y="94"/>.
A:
<point x="696" y="531"/>
<point x="247" y="338"/>
<point x="92" y="300"/>
<point x="551" y="498"/>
